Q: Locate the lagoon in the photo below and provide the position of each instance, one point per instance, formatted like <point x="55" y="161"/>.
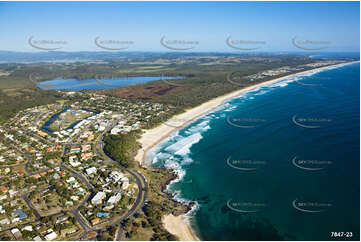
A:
<point x="46" y="126"/>
<point x="97" y="84"/>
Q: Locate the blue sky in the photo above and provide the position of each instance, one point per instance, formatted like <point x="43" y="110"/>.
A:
<point x="207" y="23"/>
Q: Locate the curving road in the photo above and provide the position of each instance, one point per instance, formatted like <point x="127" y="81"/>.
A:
<point x="27" y="164"/>
<point x="138" y="204"/>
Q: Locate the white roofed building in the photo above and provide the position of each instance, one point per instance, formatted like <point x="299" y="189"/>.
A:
<point x="98" y="198"/>
<point x="115" y="198"/>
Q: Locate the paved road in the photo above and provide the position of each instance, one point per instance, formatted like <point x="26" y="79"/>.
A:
<point x="119" y="234"/>
<point x="81" y="220"/>
<point x="76" y="213"/>
<point x="138" y="204"/>
<point x="27" y="164"/>
<point x="78" y="175"/>
<point x="28" y="157"/>
<point x="31" y="205"/>
<point x="30" y="134"/>
<point x="140" y="181"/>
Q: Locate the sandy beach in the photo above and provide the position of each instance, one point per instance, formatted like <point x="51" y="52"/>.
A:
<point x="152" y="137"/>
<point x="175" y="225"/>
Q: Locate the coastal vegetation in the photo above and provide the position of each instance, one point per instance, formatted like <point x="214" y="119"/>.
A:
<point x="204" y="76"/>
<point x="123" y="113"/>
<point x="14" y="100"/>
<point x="146" y="225"/>
<point x="122" y="147"/>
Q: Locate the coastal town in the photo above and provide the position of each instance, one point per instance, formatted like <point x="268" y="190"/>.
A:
<point x="288" y="69"/>
<point x="180" y="120"/>
<point x="56" y="181"/>
<point x="59" y="181"/>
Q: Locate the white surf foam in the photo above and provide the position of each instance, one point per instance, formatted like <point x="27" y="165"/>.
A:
<point x="184" y="143"/>
<point x="176" y="148"/>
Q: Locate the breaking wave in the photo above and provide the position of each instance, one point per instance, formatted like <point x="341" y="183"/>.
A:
<point x="174" y="152"/>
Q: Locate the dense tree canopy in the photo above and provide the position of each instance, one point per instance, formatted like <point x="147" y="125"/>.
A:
<point x="122" y="147"/>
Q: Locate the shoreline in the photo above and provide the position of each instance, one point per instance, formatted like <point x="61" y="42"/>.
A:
<point x="176" y="224"/>
<point x="163" y="130"/>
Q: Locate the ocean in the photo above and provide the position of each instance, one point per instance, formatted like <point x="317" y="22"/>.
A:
<point x="281" y="162"/>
